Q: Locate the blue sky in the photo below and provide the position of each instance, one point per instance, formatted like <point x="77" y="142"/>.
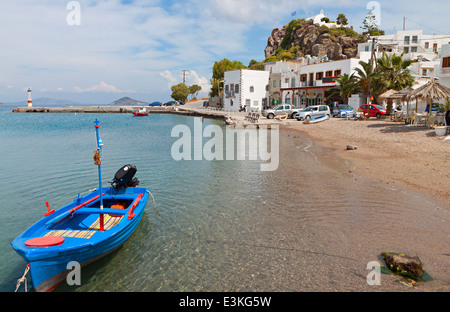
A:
<point x="138" y="48"/>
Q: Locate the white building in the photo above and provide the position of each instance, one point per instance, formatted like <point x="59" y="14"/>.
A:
<point x="317" y="19"/>
<point x="442" y="71"/>
<point x="411" y="42"/>
<point x="245" y="87"/>
<point x="307" y="85"/>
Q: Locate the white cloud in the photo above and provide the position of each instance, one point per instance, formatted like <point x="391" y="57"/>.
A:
<point x="130" y="43"/>
<point x="169" y="77"/>
<point x="101" y="87"/>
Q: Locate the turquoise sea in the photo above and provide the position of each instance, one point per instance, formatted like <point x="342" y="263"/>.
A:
<point x="221" y="225"/>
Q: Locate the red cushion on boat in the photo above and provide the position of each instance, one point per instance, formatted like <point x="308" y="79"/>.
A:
<point x="45" y="241"/>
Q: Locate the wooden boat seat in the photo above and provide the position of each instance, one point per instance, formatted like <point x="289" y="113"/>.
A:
<point x="109" y="223"/>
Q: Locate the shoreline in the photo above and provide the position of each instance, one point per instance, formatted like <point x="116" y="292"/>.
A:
<point x="389" y="153"/>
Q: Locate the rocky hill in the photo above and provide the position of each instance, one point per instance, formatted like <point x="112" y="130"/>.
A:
<point x="311" y="39"/>
<point x="128" y="101"/>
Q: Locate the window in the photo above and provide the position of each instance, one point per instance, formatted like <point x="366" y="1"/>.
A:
<point x="413" y="49"/>
<point x="329" y="73"/>
<point x="414" y="39"/>
<point x="406" y="40"/>
<point x="337" y="73"/>
<point x="236" y="88"/>
<point x="247" y="102"/>
<point x="427" y="45"/>
<point x="286" y="80"/>
<point x="303" y="77"/>
<point x="293" y="82"/>
<point x="274" y="83"/>
<point x="406" y="49"/>
<point x="252" y="89"/>
<point x="446" y="62"/>
<point x="319" y="75"/>
<point x="424" y="72"/>
<point x="366" y="48"/>
<point x="434" y="47"/>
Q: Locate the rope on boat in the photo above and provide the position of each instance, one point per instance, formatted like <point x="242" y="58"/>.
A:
<point x="154" y="202"/>
<point x="97" y="158"/>
<point x="23" y="279"/>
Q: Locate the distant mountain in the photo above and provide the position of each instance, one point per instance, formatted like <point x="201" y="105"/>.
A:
<point x="128" y="101"/>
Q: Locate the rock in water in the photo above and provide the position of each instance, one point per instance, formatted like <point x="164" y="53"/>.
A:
<point x="403" y="264"/>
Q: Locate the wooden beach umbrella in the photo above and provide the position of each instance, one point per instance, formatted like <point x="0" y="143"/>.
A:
<point x="433" y="90"/>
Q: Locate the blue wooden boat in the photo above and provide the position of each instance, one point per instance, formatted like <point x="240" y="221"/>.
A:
<point x="85" y="230"/>
<point x="317" y="119"/>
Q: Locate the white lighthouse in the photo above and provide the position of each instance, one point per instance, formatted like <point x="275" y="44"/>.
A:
<point x="30" y="104"/>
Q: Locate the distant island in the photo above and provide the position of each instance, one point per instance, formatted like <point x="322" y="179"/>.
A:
<point x="128" y="101"/>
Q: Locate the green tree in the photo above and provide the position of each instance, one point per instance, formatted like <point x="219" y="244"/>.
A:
<point x="393" y="68"/>
<point x="342" y="20"/>
<point x="180" y="92"/>
<point x="193" y="90"/>
<point x="369" y="24"/>
<point x="365" y="74"/>
<point x="219" y="70"/>
<point x="346" y="86"/>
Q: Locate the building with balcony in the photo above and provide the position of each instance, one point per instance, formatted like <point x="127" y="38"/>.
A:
<point x="247" y="88"/>
<point x="307" y="85"/>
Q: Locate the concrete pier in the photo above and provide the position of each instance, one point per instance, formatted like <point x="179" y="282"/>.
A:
<point x="237" y="119"/>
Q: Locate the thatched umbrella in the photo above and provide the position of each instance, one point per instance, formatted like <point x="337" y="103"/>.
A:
<point x="386" y="96"/>
<point x="433" y="90"/>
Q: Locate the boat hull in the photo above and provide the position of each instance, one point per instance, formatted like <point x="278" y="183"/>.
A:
<point x="49" y="266"/>
<point x="140" y="113"/>
<point x="317" y="119"/>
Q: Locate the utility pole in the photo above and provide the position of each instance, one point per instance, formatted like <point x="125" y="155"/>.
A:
<point x="184" y="75"/>
<point x="372" y="57"/>
<point x="404" y="23"/>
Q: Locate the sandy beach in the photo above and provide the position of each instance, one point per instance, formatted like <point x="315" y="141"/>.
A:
<point x="389" y="152"/>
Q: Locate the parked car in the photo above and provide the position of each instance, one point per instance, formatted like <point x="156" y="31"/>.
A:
<point x="155" y="104"/>
<point x="313" y="111"/>
<point x="343" y="110"/>
<point x="288" y="109"/>
<point x="170" y="103"/>
<point x="205" y="103"/>
<point x="374" y="111"/>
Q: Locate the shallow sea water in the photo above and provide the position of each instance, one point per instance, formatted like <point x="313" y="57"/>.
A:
<point x="221" y="225"/>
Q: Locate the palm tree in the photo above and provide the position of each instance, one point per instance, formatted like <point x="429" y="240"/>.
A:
<point x="393" y="70"/>
<point x="346" y="86"/>
<point x="365" y="74"/>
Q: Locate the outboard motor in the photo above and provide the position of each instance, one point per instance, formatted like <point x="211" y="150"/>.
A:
<point x="125" y="178"/>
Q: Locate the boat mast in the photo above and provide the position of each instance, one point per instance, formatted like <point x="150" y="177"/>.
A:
<point x="98" y="162"/>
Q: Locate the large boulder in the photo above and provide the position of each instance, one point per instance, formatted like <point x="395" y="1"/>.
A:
<point x="403" y="264"/>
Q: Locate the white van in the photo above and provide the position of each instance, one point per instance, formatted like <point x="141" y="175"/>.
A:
<point x="313" y="111"/>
